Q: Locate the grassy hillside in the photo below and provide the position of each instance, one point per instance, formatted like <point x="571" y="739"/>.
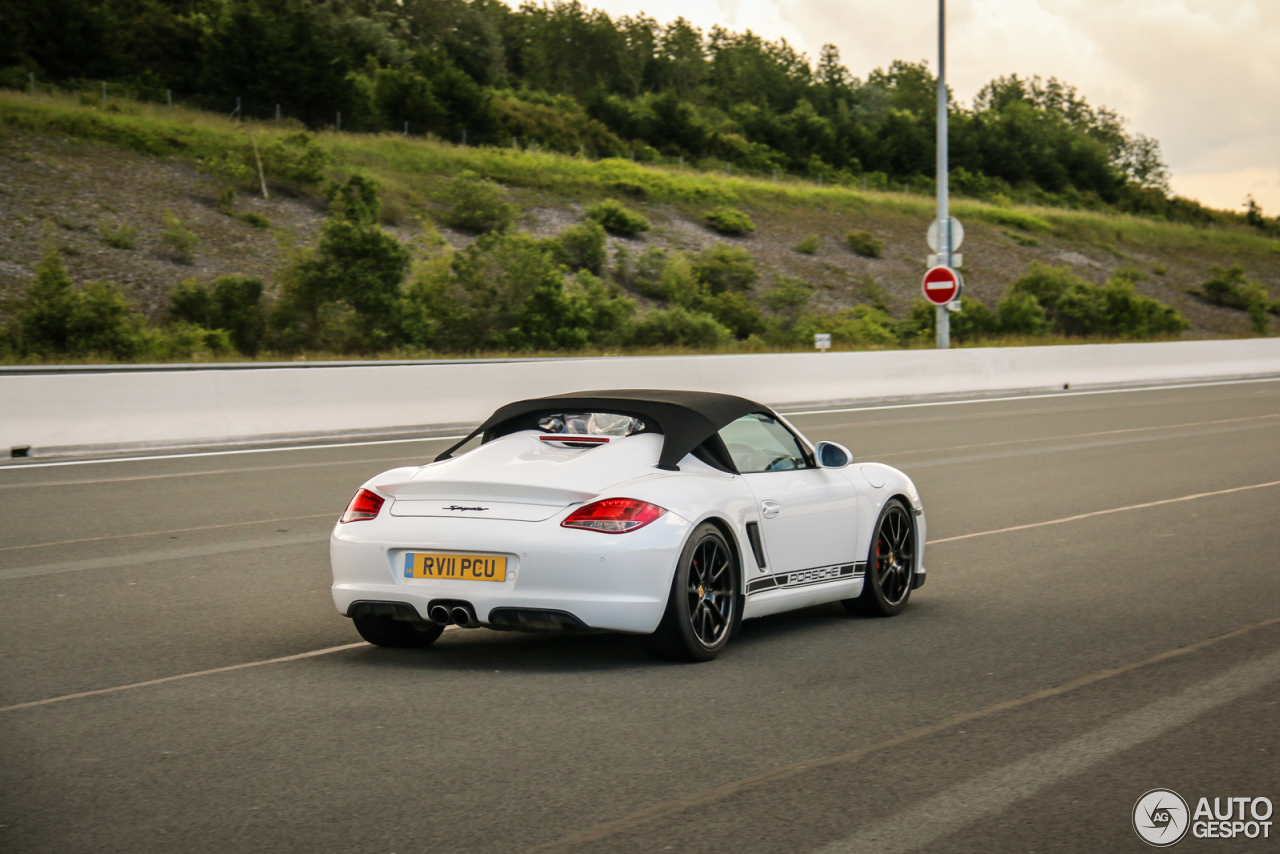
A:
<point x="103" y="186"/>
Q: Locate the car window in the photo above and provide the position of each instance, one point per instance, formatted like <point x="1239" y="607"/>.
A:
<point x="758" y="443"/>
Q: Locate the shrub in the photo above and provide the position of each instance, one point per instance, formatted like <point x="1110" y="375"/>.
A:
<point x="617" y="218"/>
<point x="643" y="275"/>
<point x="581" y="247"/>
<point x="191" y="302"/>
<point x="678" y="326"/>
<point x="788" y="298"/>
<point x="920" y="325"/>
<point x="725" y="268"/>
<point x="729" y="221"/>
<point x="735" y="312"/>
<point x="356" y="201"/>
<point x="973" y="321"/>
<point x="665" y="276"/>
<point x="183" y="341"/>
<point x="808" y="246"/>
<point x="1045" y="284"/>
<point x="120" y="236"/>
<point x="227" y="200"/>
<point x="1229" y="287"/>
<point x="864" y="243"/>
<point x="604" y="314"/>
<point x="677" y="283"/>
<point x="1076" y="307"/>
<point x="1114" y="309"/>
<point x="256" y="220"/>
<point x="859" y="326"/>
<point x="863" y="325"/>
<point x="180" y="241"/>
<point x="296" y="158"/>
<point x="54" y="317"/>
<point x="231" y="303"/>
<point x="873" y="293"/>
<point x="478" y="205"/>
<point x="356" y="266"/>
<point x="1021" y="314"/>
<point x="506" y="292"/>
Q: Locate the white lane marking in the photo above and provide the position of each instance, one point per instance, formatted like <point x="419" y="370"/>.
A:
<point x="329" y="514"/>
<point x="788" y="414"/>
<point x="312" y="654"/>
<point x="911" y="466"/>
<point x="132" y="685"/>
<point x="225" y="453"/>
<point x="37" y="484"/>
<point x="990" y="794"/>
<point x="724" y="790"/>
<point x="294" y="539"/>
<point x="876" y="455"/>
<point x="1016" y="397"/>
<point x="1079" y="516"/>
<point x="158" y="555"/>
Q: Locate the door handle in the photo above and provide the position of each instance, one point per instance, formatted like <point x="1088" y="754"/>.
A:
<point x="770" y="509"/>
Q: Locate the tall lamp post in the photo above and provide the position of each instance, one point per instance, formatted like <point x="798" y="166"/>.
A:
<point x="944" y="216"/>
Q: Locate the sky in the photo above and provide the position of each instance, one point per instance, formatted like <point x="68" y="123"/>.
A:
<point x="1200" y="76"/>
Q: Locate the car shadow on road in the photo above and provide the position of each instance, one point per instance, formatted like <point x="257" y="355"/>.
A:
<point x="461" y="650"/>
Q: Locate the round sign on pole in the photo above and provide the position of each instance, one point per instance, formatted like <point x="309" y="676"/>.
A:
<point x="941" y="285"/>
<point x="935" y="234"/>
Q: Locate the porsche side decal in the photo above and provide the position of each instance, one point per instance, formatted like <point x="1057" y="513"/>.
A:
<point x="805" y="577"/>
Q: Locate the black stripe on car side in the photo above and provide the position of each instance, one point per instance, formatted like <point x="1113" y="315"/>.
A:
<point x="807" y="577"/>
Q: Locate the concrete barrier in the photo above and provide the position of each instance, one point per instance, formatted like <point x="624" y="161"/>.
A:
<point x="64" y="410"/>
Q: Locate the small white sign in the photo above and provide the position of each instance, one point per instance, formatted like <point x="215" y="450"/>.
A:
<point x="935" y="234"/>
<point x="822" y="341"/>
<point x="957" y="260"/>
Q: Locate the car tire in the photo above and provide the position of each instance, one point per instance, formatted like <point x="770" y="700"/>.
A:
<point x="400" y="634"/>
<point x="704" y="602"/>
<point x="891" y="562"/>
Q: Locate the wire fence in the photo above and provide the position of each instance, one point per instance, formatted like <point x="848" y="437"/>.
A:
<point x="105" y="94"/>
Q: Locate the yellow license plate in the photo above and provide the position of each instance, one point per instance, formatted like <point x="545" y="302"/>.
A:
<point x="456" y="567"/>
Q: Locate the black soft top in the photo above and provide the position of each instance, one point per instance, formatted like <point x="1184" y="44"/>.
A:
<point x="685" y="419"/>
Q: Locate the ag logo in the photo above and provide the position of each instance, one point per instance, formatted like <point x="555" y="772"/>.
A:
<point x="1160" y="817"/>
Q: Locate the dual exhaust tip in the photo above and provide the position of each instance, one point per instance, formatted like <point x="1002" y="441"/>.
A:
<point x="457" y="615"/>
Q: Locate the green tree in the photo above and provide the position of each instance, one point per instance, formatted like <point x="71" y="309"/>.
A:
<point x="54" y="317"/>
<point x="231" y="303"/>
<point x="356" y="266"/>
<point x="506" y="292"/>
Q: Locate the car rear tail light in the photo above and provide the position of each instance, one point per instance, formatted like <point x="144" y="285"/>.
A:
<point x="613" y="515"/>
<point x="363" y="507"/>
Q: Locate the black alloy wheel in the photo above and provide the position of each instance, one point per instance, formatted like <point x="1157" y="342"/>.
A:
<point x="704" y="600"/>
<point x="401" y="634"/>
<point x="891" y="564"/>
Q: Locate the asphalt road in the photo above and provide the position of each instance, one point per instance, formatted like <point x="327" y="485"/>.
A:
<point x="1044" y="678"/>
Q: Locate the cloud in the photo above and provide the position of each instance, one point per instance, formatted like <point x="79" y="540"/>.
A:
<point x="1201" y="76"/>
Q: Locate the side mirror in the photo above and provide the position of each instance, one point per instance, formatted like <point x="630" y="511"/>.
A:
<point x="833" y="456"/>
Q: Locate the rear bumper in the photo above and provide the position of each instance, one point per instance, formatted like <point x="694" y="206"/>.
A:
<point x="618" y="582"/>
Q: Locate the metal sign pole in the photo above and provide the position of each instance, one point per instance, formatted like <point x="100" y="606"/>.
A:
<point x="944" y="216"/>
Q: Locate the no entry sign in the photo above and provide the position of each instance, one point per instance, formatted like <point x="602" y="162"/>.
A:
<point x="941" y="285"/>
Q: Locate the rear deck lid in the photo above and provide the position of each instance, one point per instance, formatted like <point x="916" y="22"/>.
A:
<point x="475" y="509"/>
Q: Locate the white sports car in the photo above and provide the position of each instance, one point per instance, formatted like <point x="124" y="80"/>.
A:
<point x="671" y="514"/>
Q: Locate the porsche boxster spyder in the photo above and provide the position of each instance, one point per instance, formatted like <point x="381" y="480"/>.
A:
<point x="671" y="514"/>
